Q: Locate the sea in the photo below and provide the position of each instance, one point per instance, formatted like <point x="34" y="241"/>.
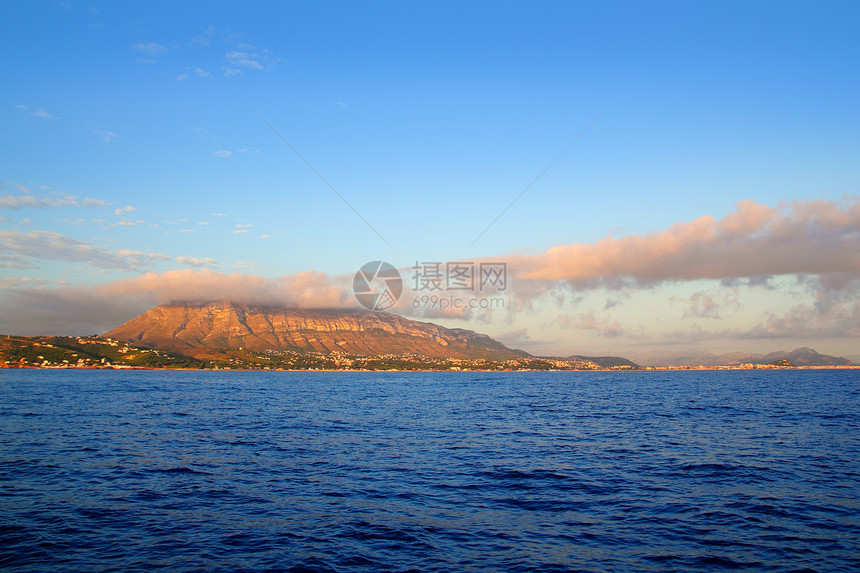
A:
<point x="755" y="470"/>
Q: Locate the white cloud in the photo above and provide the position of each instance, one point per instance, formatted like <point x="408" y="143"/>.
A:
<point x="25" y="249"/>
<point x="223" y="153"/>
<point x="22" y="188"/>
<point x="22" y="201"/>
<point x="181" y="77"/>
<point x="89" y="202"/>
<point x="244" y="266"/>
<point x="137" y="254"/>
<point x="126" y="209"/>
<point x="22" y="282"/>
<point x="709" y="304"/>
<point x="251" y="58"/>
<point x="205" y="38"/>
<point x="244" y="59"/>
<point x="108" y="136"/>
<point x="150" y="48"/>
<point x="45" y="202"/>
<point x="197" y="262"/>
<point x="240" y="231"/>
<point x="602" y="325"/>
<point x="44" y="114"/>
<point x="202" y="73"/>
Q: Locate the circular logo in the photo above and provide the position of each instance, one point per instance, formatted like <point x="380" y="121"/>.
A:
<point x="377" y="285"/>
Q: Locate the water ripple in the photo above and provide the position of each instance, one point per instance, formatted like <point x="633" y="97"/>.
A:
<point x="634" y="471"/>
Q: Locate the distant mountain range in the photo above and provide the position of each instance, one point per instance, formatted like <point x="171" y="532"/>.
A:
<point x="206" y="330"/>
<point x="798" y="357"/>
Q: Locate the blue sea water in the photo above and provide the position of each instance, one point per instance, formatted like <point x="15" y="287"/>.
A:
<point x="314" y="471"/>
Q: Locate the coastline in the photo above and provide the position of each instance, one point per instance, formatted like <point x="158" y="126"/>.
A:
<point x="744" y="367"/>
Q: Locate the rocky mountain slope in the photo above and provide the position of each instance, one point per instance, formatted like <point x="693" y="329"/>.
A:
<point x="205" y="330"/>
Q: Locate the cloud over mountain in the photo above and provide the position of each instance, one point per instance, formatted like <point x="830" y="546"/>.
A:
<point x="66" y="309"/>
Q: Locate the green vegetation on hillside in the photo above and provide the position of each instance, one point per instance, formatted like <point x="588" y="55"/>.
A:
<point x="100" y="352"/>
<point x="83" y="352"/>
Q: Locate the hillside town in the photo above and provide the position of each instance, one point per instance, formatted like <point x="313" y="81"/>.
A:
<point x="98" y="352"/>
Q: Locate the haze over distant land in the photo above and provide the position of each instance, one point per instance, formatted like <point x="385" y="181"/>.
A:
<point x="204" y="329"/>
<point x="797" y="357"/>
<point x="653" y="182"/>
<point x="218" y="334"/>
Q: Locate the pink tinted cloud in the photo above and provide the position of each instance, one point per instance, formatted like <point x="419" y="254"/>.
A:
<point x="309" y="289"/>
<point x="804" y="237"/>
<point x="590" y="321"/>
<point x="85" y="310"/>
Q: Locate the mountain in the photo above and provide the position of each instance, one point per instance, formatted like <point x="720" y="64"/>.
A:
<point x="206" y="330"/>
<point x="806" y="357"/>
<point x="798" y="357"/>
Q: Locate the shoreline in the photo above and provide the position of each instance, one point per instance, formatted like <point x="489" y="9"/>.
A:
<point x="459" y="370"/>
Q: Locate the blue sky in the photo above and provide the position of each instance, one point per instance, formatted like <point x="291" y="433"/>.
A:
<point x="132" y="147"/>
